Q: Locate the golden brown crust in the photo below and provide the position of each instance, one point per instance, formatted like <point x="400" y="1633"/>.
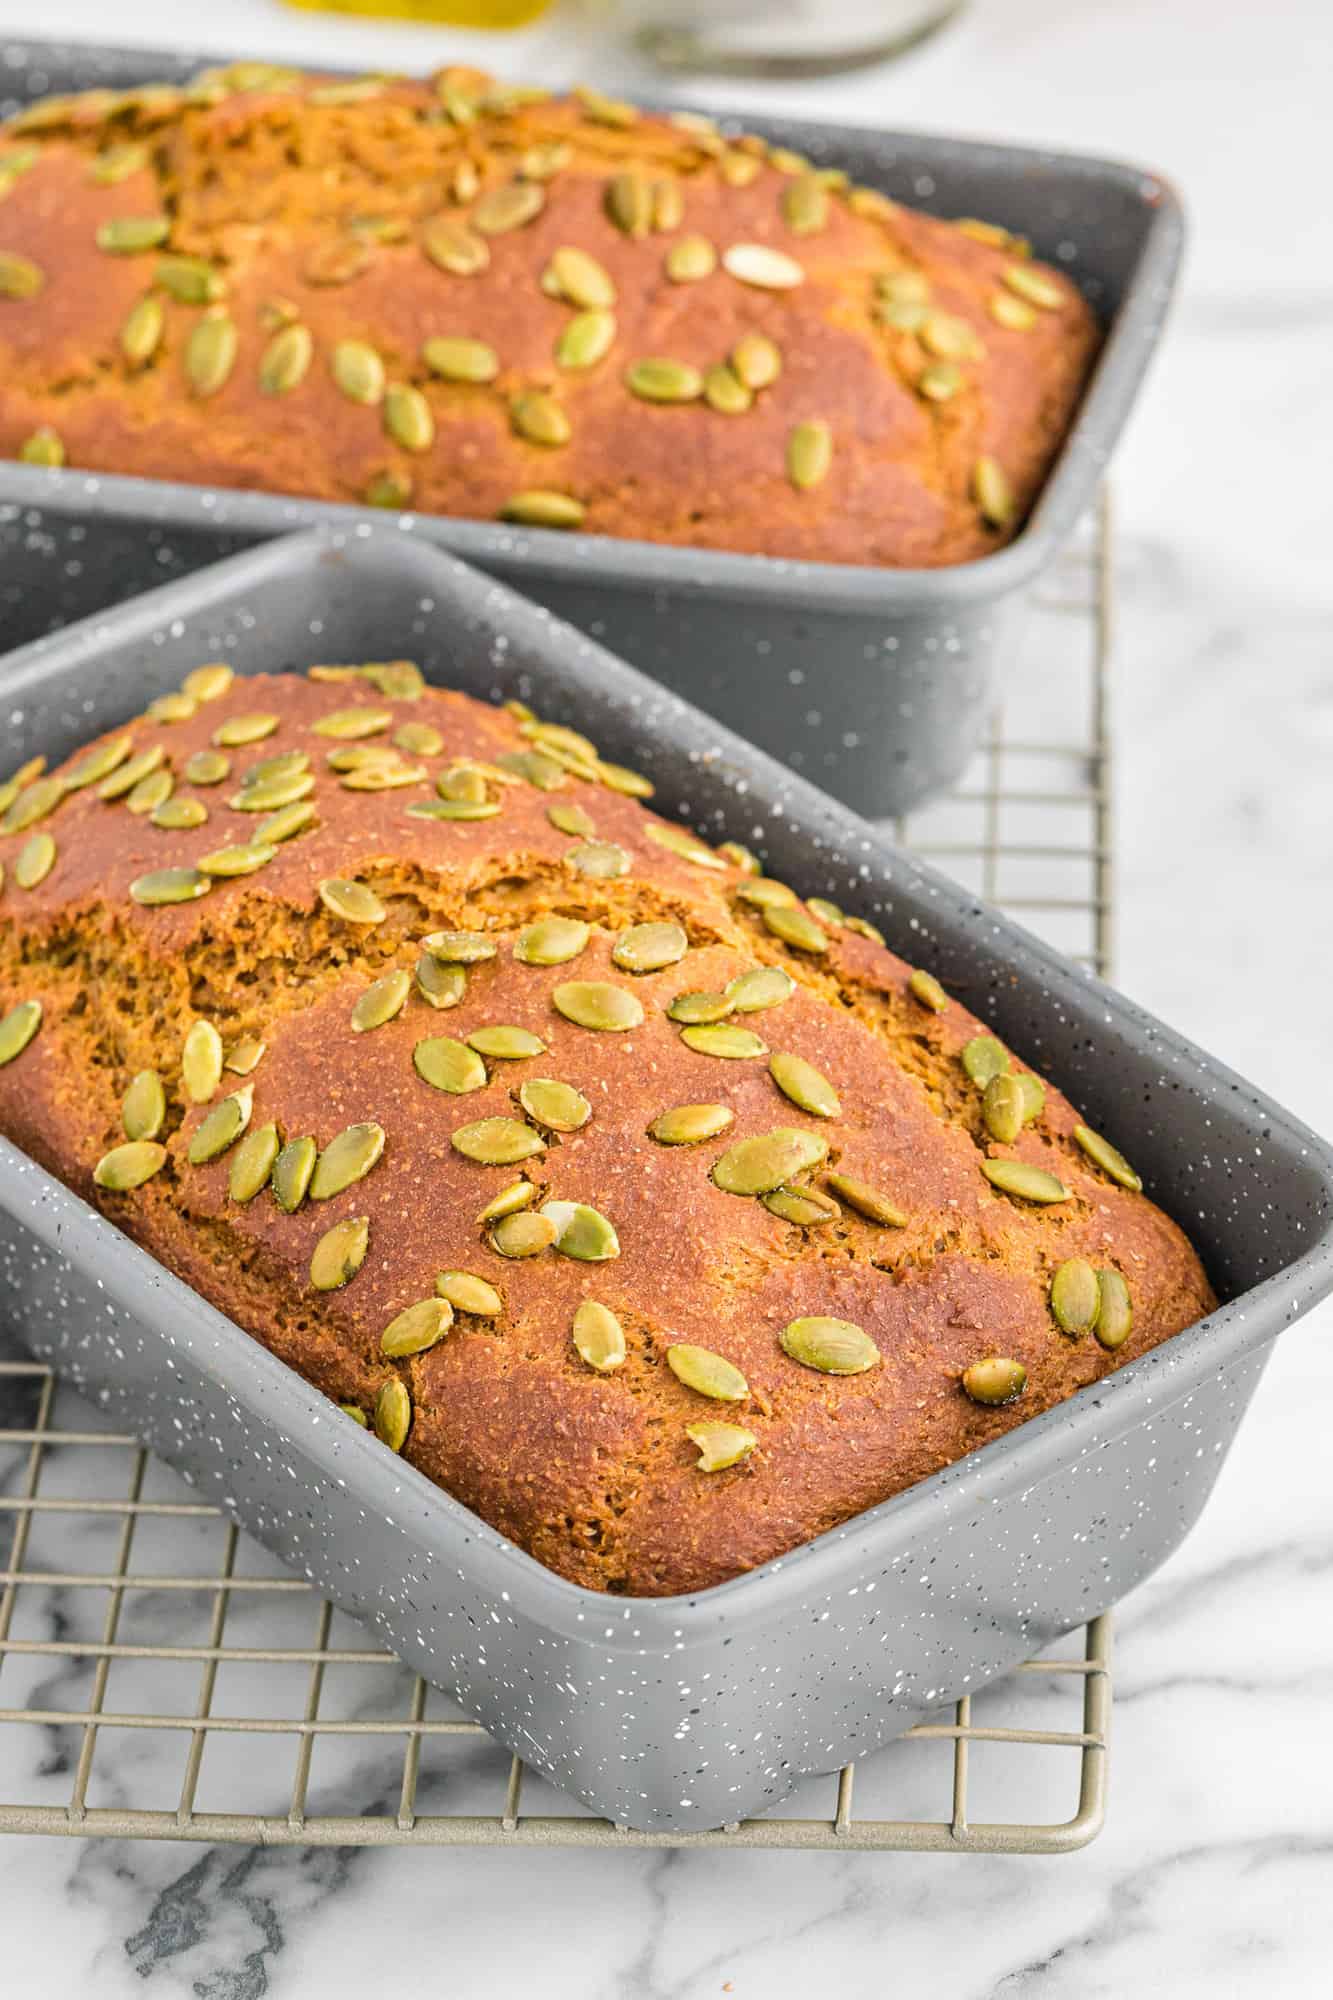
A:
<point x="593" y="1474"/>
<point x="263" y="180"/>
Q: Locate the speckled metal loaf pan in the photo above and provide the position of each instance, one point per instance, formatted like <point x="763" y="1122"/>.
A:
<point x="874" y="683"/>
<point x="677" y="1713"/>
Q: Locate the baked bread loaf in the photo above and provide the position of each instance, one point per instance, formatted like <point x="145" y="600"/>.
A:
<point x="479" y="301"/>
<point x="663" y="1219"/>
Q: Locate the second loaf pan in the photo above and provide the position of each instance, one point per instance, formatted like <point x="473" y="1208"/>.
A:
<point x="874" y="683"/>
<point x="675" y="1714"/>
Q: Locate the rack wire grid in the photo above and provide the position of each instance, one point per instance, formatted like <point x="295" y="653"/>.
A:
<point x="230" y="1703"/>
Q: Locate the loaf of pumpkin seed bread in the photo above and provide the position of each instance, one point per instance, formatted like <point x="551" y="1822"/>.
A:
<point x="473" y="300"/>
<point x="663" y="1219"/>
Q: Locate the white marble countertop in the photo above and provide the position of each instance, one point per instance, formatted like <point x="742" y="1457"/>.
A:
<point x="1213" y="1873"/>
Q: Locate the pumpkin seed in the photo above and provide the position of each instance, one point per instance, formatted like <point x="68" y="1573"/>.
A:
<point x="95" y="764"/>
<point x="241" y="729"/>
<point x="141" y="331"/>
<point x="31" y="802"/>
<point x="244" y="859"/>
<point x="283" y="789"/>
<point x="659" y="380"/>
<point x="690" y="1124"/>
<point x="510" y="206"/>
<point x="206" y="683"/>
<point x="760" y="265"/>
<point x="740" y="857"/>
<point x="35" y="860"/>
<point x="455" y="248"/>
<point x="441" y="985"/>
<point x="358" y="1416"/>
<point x="210" y="354"/>
<point x="720" y="1445"/>
<point x="649" y="947"/>
<point x="738" y="169"/>
<point x="926" y="989"/>
<point x="383" y="775"/>
<point x="396" y="680"/>
<point x="116" y="164"/>
<point x="407" y="417"/>
<point x="143" y="1109"/>
<point x="904" y="314"/>
<point x="767" y="1161"/>
<point x="586" y="338"/>
<point x="470" y="1294"/>
<point x="992" y="492"/>
<point x="506" y="1044"/>
<point x="804" y="204"/>
<point x="807" y="1088"/>
<point x="557" y="1107"/>
<point x="285" y="361"/>
<point x="551" y="941"/>
<point x="571" y="819"/>
<point x="809" y="455"/>
<point x="708" y="1374"/>
<point x="1033" y="286"/>
<point x="755" y="361"/>
<point x="538" y="508"/>
<point x="795" y="927"/>
<point x="1104" y="1155"/>
<point x="629" y="203"/>
<point x="603" y="860"/>
<point x="534" y="767"/>
<point x="802" y="1206"/>
<point x="543" y="163"/>
<point x="596" y="1004"/>
<point x="1075" y="1297"/>
<point x="582" y="1232"/>
<point x="864" y="929"/>
<point x="284" y="824"/>
<point x="349" y="725"/>
<point x="17" y="1029"/>
<point x="190" y="280"/>
<point x="722" y="1039"/>
<point x="632" y="784"/>
<point x="1034" y="1096"/>
<point x="599" y="1337"/>
<point x="244" y="1055"/>
<point x="694" y="1008"/>
<point x="417" y="1328"/>
<point x="176" y="707"/>
<point x="126" y="776"/>
<point x="252" y="1163"/>
<point x="763" y="893"/>
<point x="44" y="447"/>
<point x="346" y="1159"/>
<point x="689" y="260"/>
<point x="460" y="947"/>
<point x="950" y="339"/>
<point x="130" y="1165"/>
<point x="604" y="110"/>
<point x="457" y="359"/>
<point x="724" y="393"/>
<point x="201" y="1062"/>
<point x="1115" y="1317"/>
<point x="940" y="381"/>
<point x="582" y="280"/>
<point x="1014" y="313"/>
<point x="169" y="885"/>
<point x="1003" y="1107"/>
<point x="391" y="1419"/>
<point x="358" y="371"/>
<point x="866" y="1201"/>
<point x="221" y="1127"/>
<point x="497" y="1142"/>
<point x="460" y="107"/>
<point x="539" y="419"/>
<point x="833" y="1346"/>
<point x="382" y="1000"/>
<point x="124" y="235"/>
<point x="1030" y="1183"/>
<point x="449" y="1065"/>
<point x="984" y="1058"/>
<point x="677" y="841"/>
<point x="763" y="986"/>
<point x="994" y="1380"/>
<point x="206" y="767"/>
<point x="291" y="1173"/>
<point x="354" y="902"/>
<point x="522" y="1235"/>
<point x="338" y="260"/>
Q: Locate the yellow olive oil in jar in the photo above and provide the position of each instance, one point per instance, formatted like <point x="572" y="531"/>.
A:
<point x="438" y="13"/>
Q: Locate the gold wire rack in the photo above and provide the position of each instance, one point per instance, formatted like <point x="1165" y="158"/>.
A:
<point x="162" y="1677"/>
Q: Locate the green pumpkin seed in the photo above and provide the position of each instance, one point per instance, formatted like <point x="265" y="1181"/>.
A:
<point x="585" y="340"/>
<point x="284" y="788"/>
<point x="768" y="1160"/>
<point x="441" y="985"/>
<point x="44" y="447"/>
<point x="176" y="707"/>
<point x="722" y="1039"/>
<point x="252" y="1163"/>
<point x="572" y="820"/>
<point x="358" y="371"/>
<point x="350" y="725"/>
<point x="130" y="1165"/>
<point x="457" y="359"/>
<point x="687" y="845"/>
<point x="508" y="207"/>
<point x="602" y="860"/>
<point x="407" y="417"/>
<point x="582" y="1232"/>
<point x="449" y="1065"/>
<point x="126" y="776"/>
<point x="357" y="1416"/>
<point x="20" y="278"/>
<point x="385" y="998"/>
<point x="238" y="730"/>
<point x="539" y="419"/>
<point x="804" y="204"/>
<point x="354" y="902"/>
<point x="284" y="824"/>
<point x="201" y="1062"/>
<point x="538" y="508"/>
<point x="1104" y="1155"/>
<point x="690" y="259"/>
<point x="455" y="248"/>
<point x="720" y="1445"/>
<point x="417" y="1328"/>
<point x="599" y="1338"/>
<point x="551" y="941"/>
<point x="206" y="767"/>
<point x="740" y="857"/>
<point x="1003" y="1107"/>
<point x="1030" y="1183"/>
<point x="796" y="928"/>
<point x="543" y="163"/>
<point x="244" y="859"/>
<point x="992" y="492"/>
<point x="346" y="1159"/>
<point x="1034" y="1096"/>
<point x="534" y="767"/>
<point x="656" y="379"/>
<point x="381" y="774"/>
<point x="208" y="682"/>
<point x="418" y="739"/>
<point x="940" y="381"/>
<point x="864" y="929"/>
<point x="497" y="1142"/>
<point x="690" y="1124"/>
<point x="1115" y="1317"/>
<point x="124" y="235"/>
<point x="190" y="280"/>
<point x="764" y="986"/>
<point x="803" y="1206"/>
<point x="506" y="1044"/>
<point x="221" y="1127"/>
<point x="244" y="1055"/>
<point x="523" y="1235"/>
<point x="35" y="860"/>
<point x="601" y="110"/>
<point x="1075" y="1297"/>
<point x="141" y="331"/>
<point x="927" y="991"/>
<point x="994" y="1380"/>
<point x="758" y="264"/>
<point x="96" y="764"/>
<point x="17" y="1029"/>
<point x="596" y="1004"/>
<point x="725" y="394"/>
<point x="632" y="784"/>
<point x="391" y="1419"/>
<point x="169" y="885"/>
<point x="339" y="1254"/>
<point x="866" y="1201"/>
<point x="809" y="455"/>
<point x="286" y="360"/>
<point x="210" y="354"/>
<point x="629" y="203"/>
<point x="460" y="947"/>
<point x="582" y="280"/>
<point x="143" y="1109"/>
<point x="649" y="947"/>
<point x="470" y="1294"/>
<point x="756" y="361"/>
<point x="708" y="1374"/>
<point x="763" y="893"/>
<point x="291" y="1173"/>
<point x="1033" y="286"/>
<point x="1011" y="312"/>
<point x="116" y="164"/>
<point x="555" y="1106"/>
<point x="833" y="1346"/>
<point x="356" y="90"/>
<point x="807" y="1088"/>
<point x="151" y="792"/>
<point x="984" y="1058"/>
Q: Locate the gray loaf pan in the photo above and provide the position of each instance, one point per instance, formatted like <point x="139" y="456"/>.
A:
<point x="875" y="683"/>
<point x="682" y="1713"/>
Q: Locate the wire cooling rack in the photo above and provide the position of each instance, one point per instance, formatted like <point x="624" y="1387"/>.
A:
<point x="161" y="1676"/>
